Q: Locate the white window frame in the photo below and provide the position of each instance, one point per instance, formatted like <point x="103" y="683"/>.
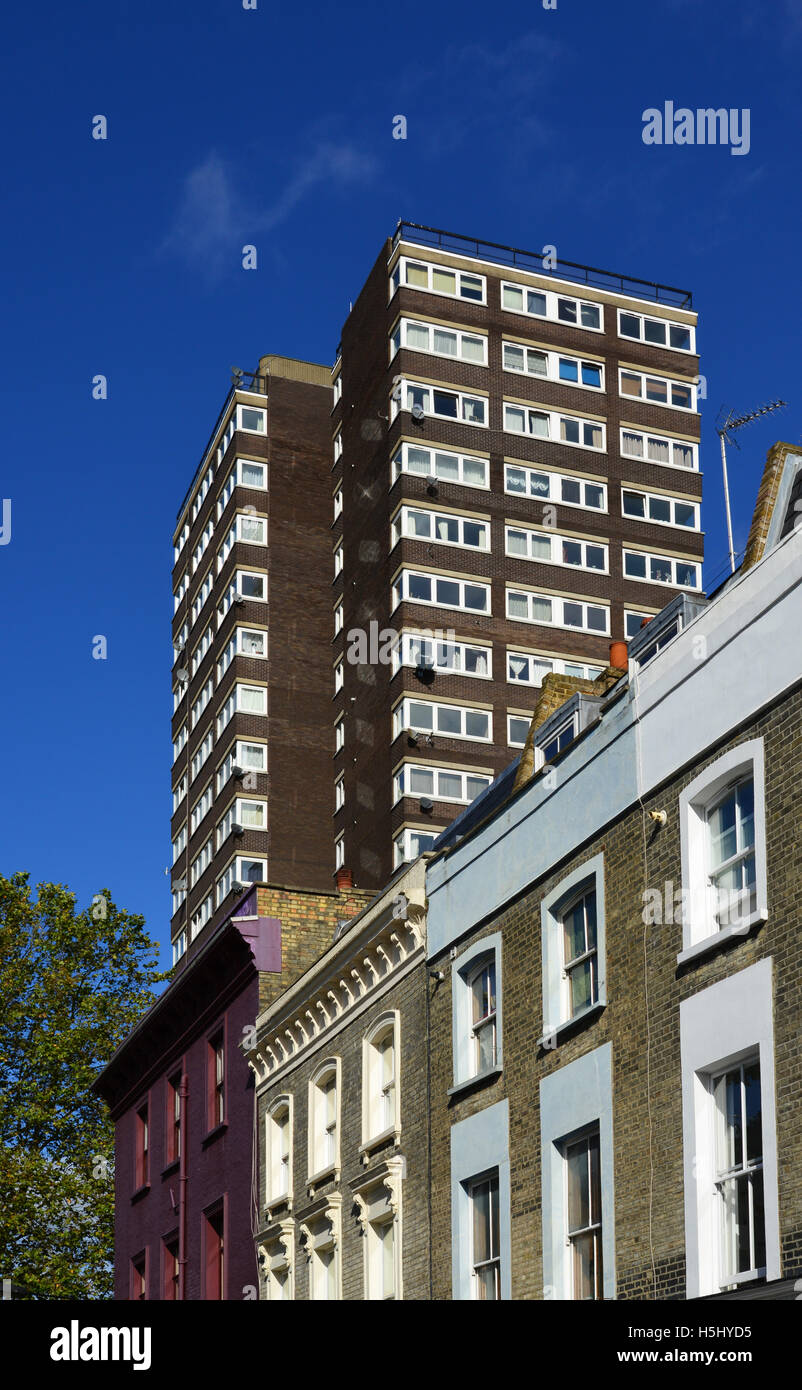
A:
<point x="200" y="917"/>
<point x="321" y="1164"/>
<point x="558" y="603"/>
<point x="339" y="734"/>
<point x="557" y="540"/>
<point x="520" y="718"/>
<point x="403" y="719"/>
<point x="201" y="809"/>
<point x="338" y="559"/>
<point x="688" y="328"/>
<point x="339" y="792"/>
<point x="700" y="933"/>
<point x="402" y="400"/>
<point x="557" y="1016"/>
<point x="554" y="420"/>
<point x="374" y="1130"/>
<point x="649" y="497"/>
<point x="401" y="465"/>
<point x="464" y="969"/>
<point x="400" y="335"/>
<point x="673" y="443"/>
<point x="202" y="752"/>
<point x="337" y="504"/>
<point x="402" y="530"/>
<point x="339" y="677"/>
<point x="555" y="664"/>
<point x="410" y="765"/>
<point x="275" y="1192"/>
<point x="400" y="590"/>
<point x="339" y="850"/>
<point x="554" y="361"/>
<point x="552" y="299"/>
<point x="672" y="560"/>
<point x="669" y="381"/>
<point x="404" y="850"/>
<point x="398" y="279"/>
<point x="555" y="481"/>
<point x="441" y="654"/>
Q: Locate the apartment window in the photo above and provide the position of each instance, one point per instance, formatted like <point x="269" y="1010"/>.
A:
<point x="380" y="1255"/>
<point x="380" y="1099"/>
<point x="584" y="1216"/>
<point x="440" y="341"/>
<point x="660" y="390"/>
<point x="485" y="1245"/>
<point x="199" y="602"/>
<point x="524" y="605"/>
<point x="142" y="1146"/>
<point x="482" y="985"/>
<point x="179" y="792"/>
<point x="243" y="641"/>
<point x="529" y="668"/>
<point x="659" y="509"/>
<point x="250" y="529"/>
<point x="201" y="808"/>
<point x="252" y="419"/>
<point x="338" y="503"/>
<point x="438" y="279"/>
<point x="324" y="1246"/>
<point x="661" y="569"/>
<point x="173" y="1119"/>
<point x="452" y="721"/>
<point x="554" y="487"/>
<point x="199" y="705"/>
<point x="471" y="409"/>
<point x="214" y="1255"/>
<point x="178" y="596"/>
<point x="439" y="783"/>
<point x="441" y="591"/>
<point x="658" y="448"/>
<point x="180" y="741"/>
<point x="444" y="527"/>
<point x="339" y="793"/>
<point x="542" y="304"/>
<point x="181" y="541"/>
<point x="573" y="943"/>
<point x="338" y="561"/>
<point x="633" y="621"/>
<point x="337" y="389"/>
<point x="411" y="843"/>
<point x="201" y="754"/>
<point x="241" y="871"/>
<point x="216" y="1081"/>
<point x="179" y="945"/>
<point x="200" y="863"/>
<point x="517" y="729"/>
<point x="248" y="758"/>
<point x="661" y="332"/>
<point x="244" y="699"/>
<point x="551" y="548"/>
<point x="139" y="1277"/>
<point x="338" y="445"/>
<point x="242" y="814"/>
<point x="324" y="1118"/>
<point x="202" y="648"/>
<point x="339" y="851"/>
<point x="180" y="843"/>
<point x="722" y="826"/>
<point x="549" y="424"/>
<point x="171" y="1268"/>
<point x="735" y="1095"/>
<point x="251" y="586"/>
<point x="200" y="917"/>
<point x="339" y="735"/>
<point x="278" y="1138"/>
<point x="427" y="653"/>
<point x="441" y="465"/>
<point x="476" y="1010"/>
<point x="559" y="739"/>
<point x="553" y="366"/>
<point x="338" y="619"/>
<point x="339" y="677"/>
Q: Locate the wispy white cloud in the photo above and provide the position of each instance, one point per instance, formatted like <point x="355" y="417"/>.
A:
<point x="214" y="218"/>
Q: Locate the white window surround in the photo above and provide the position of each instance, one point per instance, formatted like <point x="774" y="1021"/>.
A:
<point x="278" y="1250"/>
<point x="321" y="1239"/>
<point x="538" y="422"/>
<point x="556" y="1001"/>
<point x="676" y="571"/>
<point x="321" y="1164"/>
<point x="524" y="359"/>
<point x="445" y="720"/>
<point x="441" y="402"/>
<point x="339" y="850"/>
<point x="381" y="1106"/>
<point x="633" y="620"/>
<point x="419" y="335"/>
<point x="699" y="933"/>
<point x="437" y="782"/>
<point x="547" y="547"/>
<point x="463" y="1052"/>
<point x="446" y="465"/>
<point x="561" y="612"/>
<point x="585" y="494"/>
<point x="441" y="527"/>
<point x="466" y="658"/>
<point x="379" y="1206"/>
<point x="658" y="332"/>
<point x="537" y="302"/>
<point x="722" y="1025"/>
<point x="529" y="668"/>
<point x="648" y="445"/>
<point x="655" y="502"/>
<point x="647" y="381"/>
<point x="469" y="595"/>
<point x="517" y="729"/>
<point x="414" y="840"/>
<point x="279" y="1151"/>
<point x="436" y="277"/>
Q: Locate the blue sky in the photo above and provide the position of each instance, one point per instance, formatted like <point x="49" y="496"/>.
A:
<point x="274" y="127"/>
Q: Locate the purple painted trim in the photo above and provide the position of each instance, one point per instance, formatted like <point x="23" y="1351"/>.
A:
<point x="264" y="938"/>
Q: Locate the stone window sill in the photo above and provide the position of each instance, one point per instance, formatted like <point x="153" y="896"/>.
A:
<point x="481" y="1077"/>
<point x="712" y="943"/>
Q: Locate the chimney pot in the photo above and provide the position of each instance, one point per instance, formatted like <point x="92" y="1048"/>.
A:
<point x="618" y="655"/>
<point x="344" y="880"/>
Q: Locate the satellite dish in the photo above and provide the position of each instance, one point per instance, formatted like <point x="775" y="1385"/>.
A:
<point x="182" y="674"/>
<point x="426" y="806"/>
<point x="418" y="412"/>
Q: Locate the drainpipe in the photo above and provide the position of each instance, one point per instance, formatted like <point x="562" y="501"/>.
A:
<point x="183" y="1092"/>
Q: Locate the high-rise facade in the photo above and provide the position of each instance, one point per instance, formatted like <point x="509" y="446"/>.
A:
<point x="251" y="777"/>
<point x="516" y="482"/>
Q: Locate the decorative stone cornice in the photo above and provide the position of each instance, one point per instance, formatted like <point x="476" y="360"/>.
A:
<point x="355" y="979"/>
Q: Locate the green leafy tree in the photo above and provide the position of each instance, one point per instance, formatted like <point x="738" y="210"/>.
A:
<point x="72" y="984"/>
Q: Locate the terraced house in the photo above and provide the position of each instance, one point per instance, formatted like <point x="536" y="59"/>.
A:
<point x="515" y="481"/>
<point x="616" y="1045"/>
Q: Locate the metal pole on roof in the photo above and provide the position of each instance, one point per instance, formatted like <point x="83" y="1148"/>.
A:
<point x="724" y="430"/>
